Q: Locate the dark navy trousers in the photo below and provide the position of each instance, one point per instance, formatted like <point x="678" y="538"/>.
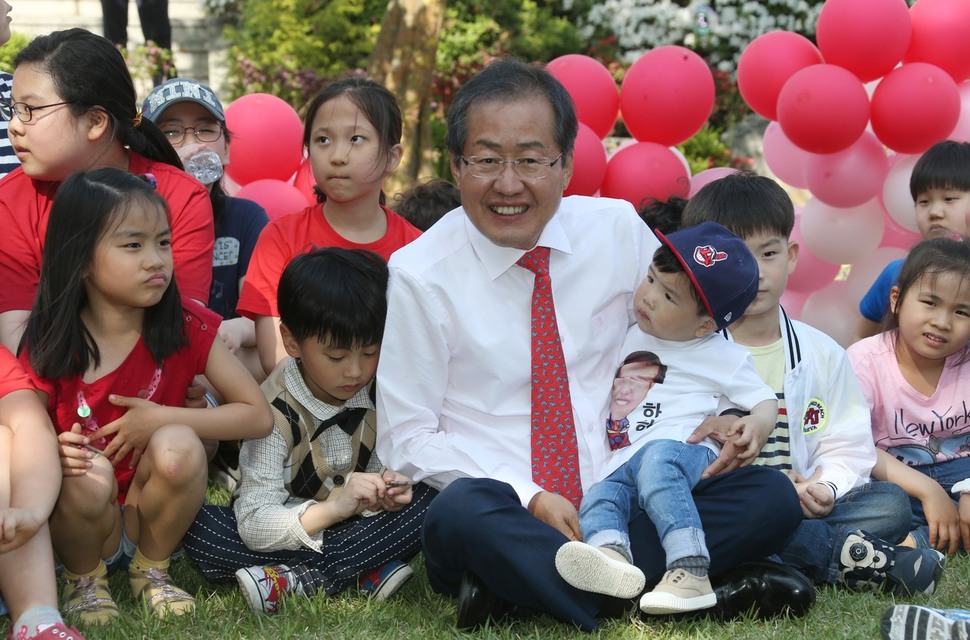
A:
<point x="480" y="525"/>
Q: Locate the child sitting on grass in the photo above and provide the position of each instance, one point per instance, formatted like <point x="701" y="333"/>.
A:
<point x="315" y="510"/>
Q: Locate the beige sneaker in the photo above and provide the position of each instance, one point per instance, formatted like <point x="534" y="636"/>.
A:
<point x="598" y="570"/>
<point x="679" y="591"/>
<point x="156" y="589"/>
<point x="88" y="597"/>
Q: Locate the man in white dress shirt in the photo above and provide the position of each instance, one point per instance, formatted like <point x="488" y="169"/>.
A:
<point x="454" y="403"/>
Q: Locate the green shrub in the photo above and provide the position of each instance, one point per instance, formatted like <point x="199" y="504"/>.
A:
<point x="10" y="50"/>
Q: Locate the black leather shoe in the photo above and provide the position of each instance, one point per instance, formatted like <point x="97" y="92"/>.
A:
<point x="767" y="589"/>
<point x="477" y="603"/>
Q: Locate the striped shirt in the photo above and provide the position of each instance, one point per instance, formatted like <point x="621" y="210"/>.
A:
<point x="8" y="159"/>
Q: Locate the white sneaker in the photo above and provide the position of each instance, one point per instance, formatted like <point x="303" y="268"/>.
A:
<point x="262" y="587"/>
<point x="598" y="570"/>
<point x="679" y="591"/>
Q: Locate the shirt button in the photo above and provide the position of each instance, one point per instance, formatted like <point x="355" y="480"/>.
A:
<point x="338" y="480"/>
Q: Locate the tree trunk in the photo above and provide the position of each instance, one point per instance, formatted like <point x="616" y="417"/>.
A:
<point x="404" y="61"/>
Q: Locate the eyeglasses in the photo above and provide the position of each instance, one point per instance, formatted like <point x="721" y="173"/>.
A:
<point x="526" y="168"/>
<point x="176" y="133"/>
<point x="23" y="111"/>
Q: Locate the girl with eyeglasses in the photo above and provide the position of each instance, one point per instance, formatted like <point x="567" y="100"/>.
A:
<point x="352" y="134"/>
<point x="191" y="117"/>
<point x="74" y="109"/>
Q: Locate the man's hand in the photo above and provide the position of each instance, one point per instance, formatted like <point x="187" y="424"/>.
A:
<point x="717" y="427"/>
<point x="557" y="512"/>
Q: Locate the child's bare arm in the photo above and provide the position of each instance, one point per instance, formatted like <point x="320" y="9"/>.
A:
<point x="34" y="466"/>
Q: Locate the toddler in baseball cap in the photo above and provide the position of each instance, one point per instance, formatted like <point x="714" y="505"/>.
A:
<point x="719" y="267"/>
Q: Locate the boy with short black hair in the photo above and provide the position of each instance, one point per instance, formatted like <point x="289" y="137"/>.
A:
<point x="315" y="509"/>
<point x="940" y="186"/>
<point x="823" y="439"/>
<point x="701" y="279"/>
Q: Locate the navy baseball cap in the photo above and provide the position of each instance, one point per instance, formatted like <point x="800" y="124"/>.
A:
<point x="720" y="266"/>
<point x="182" y="90"/>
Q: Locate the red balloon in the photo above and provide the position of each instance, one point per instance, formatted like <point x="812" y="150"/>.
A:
<point x="667" y="95"/>
<point x="850" y="177"/>
<point x="867" y="37"/>
<point x="589" y="164"/>
<point x="276" y="196"/>
<point x="645" y="170"/>
<point x="767" y="63"/>
<point x="592" y="88"/>
<point x="940" y="29"/>
<point x="267" y="138"/>
<point x="914" y="107"/>
<point x="823" y="108"/>
<point x="304" y="182"/>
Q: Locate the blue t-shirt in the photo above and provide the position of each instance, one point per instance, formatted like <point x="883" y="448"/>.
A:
<point x="242" y="222"/>
<point x="875" y="303"/>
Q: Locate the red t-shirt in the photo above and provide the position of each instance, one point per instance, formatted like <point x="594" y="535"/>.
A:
<point x="25" y="206"/>
<point x="73" y="400"/>
<point x="12" y="375"/>
<point x="296" y="233"/>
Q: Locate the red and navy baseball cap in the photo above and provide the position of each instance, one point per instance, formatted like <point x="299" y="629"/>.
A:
<point x="720" y="266"/>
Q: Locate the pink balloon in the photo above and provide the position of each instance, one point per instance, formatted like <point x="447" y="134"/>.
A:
<point x="823" y="108"/>
<point x="644" y="170"/>
<point x="865" y="272"/>
<point x="706" y="176"/>
<point x="793" y="302"/>
<point x="304" y="182"/>
<point x="829" y="310"/>
<point x="940" y="30"/>
<point x="276" y="196"/>
<point x="592" y="88"/>
<point x="961" y="132"/>
<point x="267" y="138"/>
<point x="811" y="273"/>
<point x="667" y="95"/>
<point x="767" y="63"/>
<point x="589" y="163"/>
<point x="896" y="197"/>
<point x="784" y="159"/>
<point x="851" y="177"/>
<point x="898" y="236"/>
<point x="867" y="37"/>
<point x="915" y="106"/>
<point x="842" y="236"/>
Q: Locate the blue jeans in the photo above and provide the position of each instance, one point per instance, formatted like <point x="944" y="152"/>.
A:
<point x="659" y="479"/>
<point x="947" y="474"/>
<point x="881" y="508"/>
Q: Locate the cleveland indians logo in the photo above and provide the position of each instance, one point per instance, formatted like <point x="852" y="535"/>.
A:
<point x="707" y="255"/>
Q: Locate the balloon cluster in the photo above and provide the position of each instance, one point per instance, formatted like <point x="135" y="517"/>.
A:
<point x="266" y="154"/>
<point x="849" y="119"/>
<point x="665" y="98"/>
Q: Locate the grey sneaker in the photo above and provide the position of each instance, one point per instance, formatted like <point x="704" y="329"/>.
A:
<point x="262" y="587"/>
<point x="912" y="622"/>
<point x="598" y="570"/>
<point x="872" y="564"/>
<point x="679" y="591"/>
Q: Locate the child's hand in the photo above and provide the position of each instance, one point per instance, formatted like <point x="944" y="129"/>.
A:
<point x="944" y="521"/>
<point x="398" y="492"/>
<point x="195" y="394"/>
<point x="815" y="498"/>
<point x="17" y="526"/>
<point x="362" y="491"/>
<point x="75" y="458"/>
<point x="232" y="336"/>
<point x="750" y="434"/>
<point x="186" y="151"/>
<point x="132" y="431"/>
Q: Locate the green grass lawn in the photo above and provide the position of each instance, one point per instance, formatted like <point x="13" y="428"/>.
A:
<point x="417" y="612"/>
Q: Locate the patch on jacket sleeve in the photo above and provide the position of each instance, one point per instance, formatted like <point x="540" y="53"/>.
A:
<point x="814" y="419"/>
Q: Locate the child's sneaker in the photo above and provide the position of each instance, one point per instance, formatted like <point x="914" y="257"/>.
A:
<point x="598" y="570"/>
<point x="56" y="632"/>
<point x="869" y="563"/>
<point x="679" y="591"/>
<point x="262" y="587"/>
<point x="88" y="597"/>
<point x="912" y="622"/>
<point x="156" y="589"/>
<point x="383" y="582"/>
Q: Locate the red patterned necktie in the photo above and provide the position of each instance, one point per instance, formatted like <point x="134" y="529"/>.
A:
<point x="555" y="457"/>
